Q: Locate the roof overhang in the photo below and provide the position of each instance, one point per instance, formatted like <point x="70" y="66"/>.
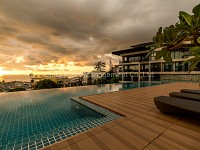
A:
<point x="136" y="49"/>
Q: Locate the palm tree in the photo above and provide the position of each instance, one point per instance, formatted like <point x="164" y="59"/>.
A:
<point x="100" y="66"/>
<point x="173" y="37"/>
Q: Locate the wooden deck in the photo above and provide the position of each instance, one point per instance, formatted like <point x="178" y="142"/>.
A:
<point x="143" y="127"/>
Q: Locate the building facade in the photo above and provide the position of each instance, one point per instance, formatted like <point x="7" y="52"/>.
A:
<point x="136" y="67"/>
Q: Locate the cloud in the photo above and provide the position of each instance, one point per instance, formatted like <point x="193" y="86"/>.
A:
<point x="42" y="31"/>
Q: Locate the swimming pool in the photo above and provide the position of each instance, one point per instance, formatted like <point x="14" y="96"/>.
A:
<point x="35" y="119"/>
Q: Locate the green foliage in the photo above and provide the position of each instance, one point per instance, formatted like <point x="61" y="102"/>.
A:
<point x="114" y="80"/>
<point x="159" y="38"/>
<point x="108" y="78"/>
<point x="99" y="66"/>
<point x="16" y="89"/>
<point x="89" y="79"/>
<point x="185" y="18"/>
<point x="45" y="84"/>
<point x="172" y="38"/>
<point x="160" y="54"/>
<point x="195" y="51"/>
<point x="196" y="10"/>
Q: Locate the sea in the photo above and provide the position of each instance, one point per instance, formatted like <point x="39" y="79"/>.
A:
<point x="10" y="78"/>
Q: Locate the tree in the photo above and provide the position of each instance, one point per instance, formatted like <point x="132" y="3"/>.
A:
<point x="173" y="37"/>
<point x="89" y="79"/>
<point x="17" y="89"/>
<point x="60" y="84"/>
<point x="100" y="66"/>
<point x="107" y="78"/>
<point x="111" y="77"/>
<point x="45" y="84"/>
<point x="114" y="80"/>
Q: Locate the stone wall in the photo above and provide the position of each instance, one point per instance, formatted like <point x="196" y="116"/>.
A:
<point x="193" y="78"/>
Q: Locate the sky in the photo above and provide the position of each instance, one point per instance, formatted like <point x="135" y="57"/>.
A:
<point x="70" y="36"/>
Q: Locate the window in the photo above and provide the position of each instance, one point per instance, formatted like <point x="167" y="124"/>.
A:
<point x="125" y="59"/>
<point x="134" y="68"/>
<point x="178" y="66"/>
<point x="135" y="59"/>
<point x="144" y="68"/>
<point x="185" y="67"/>
<point x="156" y="67"/>
<point x="152" y="57"/>
<point x="168" y="67"/>
<point x="177" y="55"/>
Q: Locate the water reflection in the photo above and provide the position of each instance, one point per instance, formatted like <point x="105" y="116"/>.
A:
<point x="84" y="111"/>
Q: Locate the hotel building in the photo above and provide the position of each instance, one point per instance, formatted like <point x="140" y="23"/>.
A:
<point x="136" y="67"/>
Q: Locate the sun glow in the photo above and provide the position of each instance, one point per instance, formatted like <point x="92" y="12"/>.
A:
<point x="50" y="68"/>
<point x="2" y="71"/>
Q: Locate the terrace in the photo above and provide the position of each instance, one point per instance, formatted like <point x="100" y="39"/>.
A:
<point x="143" y="125"/>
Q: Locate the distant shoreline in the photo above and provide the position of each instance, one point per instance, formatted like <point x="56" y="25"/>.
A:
<point x="24" y="77"/>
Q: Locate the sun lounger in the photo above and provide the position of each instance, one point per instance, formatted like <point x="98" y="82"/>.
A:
<point x="190" y="91"/>
<point x="188" y="96"/>
<point x="177" y="105"/>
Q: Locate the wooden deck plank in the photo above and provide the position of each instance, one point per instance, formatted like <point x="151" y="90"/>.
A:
<point x="128" y="140"/>
<point x="172" y="143"/>
<point x="143" y="127"/>
<point x="75" y="147"/>
<point x="111" y="141"/>
<point x="84" y="145"/>
<point x="91" y="144"/>
<point x="183" y="140"/>
<point x="163" y="145"/>
<point x="140" y="141"/>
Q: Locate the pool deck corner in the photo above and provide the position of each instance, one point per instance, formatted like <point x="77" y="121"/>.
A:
<point x="142" y="125"/>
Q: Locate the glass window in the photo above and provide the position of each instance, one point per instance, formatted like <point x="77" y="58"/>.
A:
<point x="125" y="58"/>
<point x="156" y="67"/>
<point x="178" y="66"/>
<point x="185" y="67"/>
<point x="134" y="67"/>
<point x="168" y="67"/>
<point x="135" y="59"/>
<point x="176" y="54"/>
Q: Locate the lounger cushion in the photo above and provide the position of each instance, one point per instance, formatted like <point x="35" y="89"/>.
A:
<point x="177" y="105"/>
<point x="190" y="91"/>
<point x="188" y="96"/>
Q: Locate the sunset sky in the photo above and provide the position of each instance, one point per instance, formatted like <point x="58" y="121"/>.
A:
<point x="69" y="36"/>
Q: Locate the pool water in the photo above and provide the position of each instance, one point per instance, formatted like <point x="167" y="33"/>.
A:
<point x="35" y="119"/>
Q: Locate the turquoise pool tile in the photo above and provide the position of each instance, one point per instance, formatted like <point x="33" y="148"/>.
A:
<point x="34" y="119"/>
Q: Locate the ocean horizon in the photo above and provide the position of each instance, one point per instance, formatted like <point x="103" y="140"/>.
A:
<point x="10" y="78"/>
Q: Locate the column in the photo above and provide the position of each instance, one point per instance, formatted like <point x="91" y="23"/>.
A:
<point x="150" y="73"/>
<point x="174" y="67"/>
<point x="138" y="72"/>
<point x="123" y="69"/>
